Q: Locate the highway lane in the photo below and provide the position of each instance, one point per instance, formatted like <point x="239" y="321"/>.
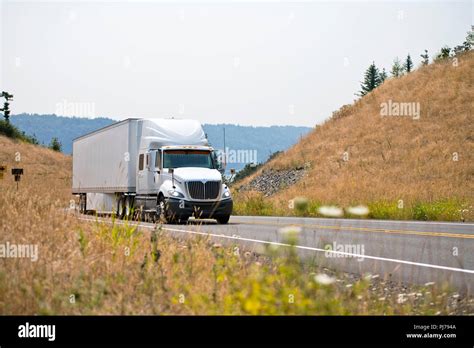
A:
<point x="408" y="251"/>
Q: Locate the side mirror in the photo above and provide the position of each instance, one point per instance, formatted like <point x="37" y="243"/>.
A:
<point x="221" y="168"/>
<point x="219" y="158"/>
<point x="171" y="171"/>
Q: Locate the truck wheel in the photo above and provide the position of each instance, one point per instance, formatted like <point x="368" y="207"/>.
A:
<point x="82" y="203"/>
<point x="223" y="219"/>
<point x="161" y="211"/>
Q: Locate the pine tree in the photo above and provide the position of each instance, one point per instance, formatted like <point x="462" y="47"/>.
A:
<point x="397" y="68"/>
<point x="6" y="105"/>
<point x="443" y="54"/>
<point x="426" y="58"/>
<point x="469" y="42"/>
<point x="371" y="80"/>
<point x="55" y="145"/>
<point x="383" y="76"/>
<point x="408" y="64"/>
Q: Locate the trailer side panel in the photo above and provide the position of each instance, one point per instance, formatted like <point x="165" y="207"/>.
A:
<point x="104" y="161"/>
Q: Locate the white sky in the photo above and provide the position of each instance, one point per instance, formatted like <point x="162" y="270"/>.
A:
<point x="245" y="62"/>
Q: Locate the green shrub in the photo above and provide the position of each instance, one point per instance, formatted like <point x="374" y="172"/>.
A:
<point x="253" y="205"/>
<point x="386" y="210"/>
<point x="446" y="210"/>
<point x="55" y="145"/>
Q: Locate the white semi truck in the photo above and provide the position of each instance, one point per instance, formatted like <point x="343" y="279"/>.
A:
<point x="156" y="168"/>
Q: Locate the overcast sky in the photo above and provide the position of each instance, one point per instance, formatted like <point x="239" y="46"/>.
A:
<point x="245" y="62"/>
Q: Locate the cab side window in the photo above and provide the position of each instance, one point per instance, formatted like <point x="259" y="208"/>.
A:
<point x="140" y="162"/>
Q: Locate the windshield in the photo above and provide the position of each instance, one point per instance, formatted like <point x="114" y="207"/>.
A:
<point x="188" y="158"/>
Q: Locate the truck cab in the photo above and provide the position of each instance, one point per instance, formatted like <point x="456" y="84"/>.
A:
<point x="186" y="180"/>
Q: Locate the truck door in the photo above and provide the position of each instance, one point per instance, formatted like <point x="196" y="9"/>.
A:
<point x="156" y="156"/>
<point x="153" y="176"/>
<point x="141" y="174"/>
<point x="147" y="172"/>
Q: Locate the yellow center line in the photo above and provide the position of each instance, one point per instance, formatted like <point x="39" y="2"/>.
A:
<point x="365" y="229"/>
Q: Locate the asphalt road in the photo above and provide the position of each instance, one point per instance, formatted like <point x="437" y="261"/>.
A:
<point x="408" y="251"/>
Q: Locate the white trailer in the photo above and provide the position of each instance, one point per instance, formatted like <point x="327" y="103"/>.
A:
<point x="156" y="168"/>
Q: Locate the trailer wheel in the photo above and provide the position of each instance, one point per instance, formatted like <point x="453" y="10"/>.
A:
<point x="82" y="203"/>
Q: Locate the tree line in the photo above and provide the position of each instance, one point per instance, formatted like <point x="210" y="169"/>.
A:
<point x="374" y="77"/>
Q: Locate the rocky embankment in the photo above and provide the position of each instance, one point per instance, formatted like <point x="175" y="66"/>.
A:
<point x="272" y="181"/>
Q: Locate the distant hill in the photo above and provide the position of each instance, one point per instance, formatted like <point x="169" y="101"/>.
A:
<point x="45" y="127"/>
<point x="244" y="142"/>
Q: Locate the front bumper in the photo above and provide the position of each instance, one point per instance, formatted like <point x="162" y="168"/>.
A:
<point x="181" y="208"/>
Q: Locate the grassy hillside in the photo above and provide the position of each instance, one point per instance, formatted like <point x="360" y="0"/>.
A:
<point x="360" y="157"/>
<point x="100" y="268"/>
<point x="46" y="172"/>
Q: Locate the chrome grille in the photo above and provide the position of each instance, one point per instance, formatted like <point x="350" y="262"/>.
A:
<point x="200" y="190"/>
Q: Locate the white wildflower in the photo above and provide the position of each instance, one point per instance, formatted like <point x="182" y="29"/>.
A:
<point x="324" y="279"/>
<point x="359" y="210"/>
<point x="331" y="211"/>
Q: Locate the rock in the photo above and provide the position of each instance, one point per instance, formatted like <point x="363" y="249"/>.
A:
<point x="271" y="181"/>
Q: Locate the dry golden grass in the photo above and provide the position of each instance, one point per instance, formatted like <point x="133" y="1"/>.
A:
<point x="100" y="268"/>
<point x="393" y="158"/>
<point x="45" y="171"/>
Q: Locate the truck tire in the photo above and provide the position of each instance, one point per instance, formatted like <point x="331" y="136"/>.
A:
<point x="82" y="203"/>
<point x="223" y="219"/>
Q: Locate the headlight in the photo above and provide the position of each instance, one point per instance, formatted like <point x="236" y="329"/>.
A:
<point x="226" y="194"/>
<point x="176" y="194"/>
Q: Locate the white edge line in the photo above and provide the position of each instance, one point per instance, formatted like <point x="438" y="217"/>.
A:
<point x="300" y="247"/>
